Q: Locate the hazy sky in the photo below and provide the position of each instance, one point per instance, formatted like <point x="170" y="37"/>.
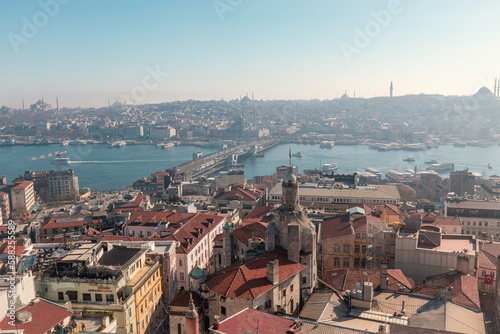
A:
<point x="86" y="51"/>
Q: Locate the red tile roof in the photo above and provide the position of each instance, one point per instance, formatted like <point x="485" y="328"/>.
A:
<point x="247" y="232"/>
<point x="2" y="193"/>
<point x="248" y="280"/>
<point x="464" y="288"/>
<point x="259" y="214"/>
<point x="69" y="221"/>
<point x="21" y="185"/>
<point x="346" y="279"/>
<point x="394" y="209"/>
<point x="488" y="255"/>
<point x="241" y="194"/>
<point x="247" y="320"/>
<point x="192" y="229"/>
<point x="181" y="299"/>
<point x="336" y="227"/>
<point x="45" y="316"/>
<point x="148" y="218"/>
<point x="5" y="249"/>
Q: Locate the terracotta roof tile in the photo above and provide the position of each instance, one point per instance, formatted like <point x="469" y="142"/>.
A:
<point x="259" y="214"/>
<point x="22" y="185"/>
<point x="45" y="315"/>
<point x="247" y="232"/>
<point x="248" y="319"/>
<point x="249" y="280"/>
<point x="335" y="227"/>
<point x="346" y="279"/>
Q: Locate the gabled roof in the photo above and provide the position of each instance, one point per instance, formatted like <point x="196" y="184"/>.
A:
<point x="488" y="255"/>
<point x="259" y="214"/>
<point x="336" y="227"/>
<point x="246" y="232"/>
<point x="44" y="316"/>
<point x="181" y="299"/>
<point x="193" y="230"/>
<point x="148" y="218"/>
<point x="241" y="194"/>
<point x="247" y="320"/>
<point x="346" y="279"/>
<point x="463" y="288"/>
<point x="248" y="280"/>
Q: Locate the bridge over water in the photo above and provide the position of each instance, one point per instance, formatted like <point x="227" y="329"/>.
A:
<point x="211" y="163"/>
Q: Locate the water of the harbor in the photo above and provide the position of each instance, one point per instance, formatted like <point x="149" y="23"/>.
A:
<point x="102" y="168"/>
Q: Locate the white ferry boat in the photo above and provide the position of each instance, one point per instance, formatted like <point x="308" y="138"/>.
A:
<point x="373" y="171"/>
<point x="441" y="167"/>
<point x="394" y="174"/>
<point x="329" y="168"/>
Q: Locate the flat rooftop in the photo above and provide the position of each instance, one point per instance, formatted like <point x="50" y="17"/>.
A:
<point x="81" y="254"/>
<point x="452" y="243"/>
<point x="118" y="256"/>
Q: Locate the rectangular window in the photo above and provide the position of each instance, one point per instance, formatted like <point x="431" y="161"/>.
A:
<point x="222" y="310"/>
<point x="336" y="262"/>
<point x="110" y="298"/>
<point x="60" y="295"/>
<point x="180" y="262"/>
<point x="182" y="277"/>
<point x="346" y="262"/>
<point x="98" y="297"/>
<point x="284" y="293"/>
<point x="86" y="297"/>
<point x="72" y="295"/>
<point x="482" y="286"/>
<point x="356" y="262"/>
<point x="347" y="248"/>
<point x="356" y="248"/>
<point x="291" y="288"/>
<point x="483" y="273"/>
<point x="485" y="223"/>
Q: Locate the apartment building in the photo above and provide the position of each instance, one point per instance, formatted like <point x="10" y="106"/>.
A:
<point x="22" y="196"/>
<point x="107" y="277"/>
<point x="479" y="218"/>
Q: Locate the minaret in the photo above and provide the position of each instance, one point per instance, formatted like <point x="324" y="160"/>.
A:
<point x="495" y="88"/>
<point x="23" y="103"/>
<point x="192" y="325"/>
<point x="57" y="103"/>
<point x="391" y="89"/>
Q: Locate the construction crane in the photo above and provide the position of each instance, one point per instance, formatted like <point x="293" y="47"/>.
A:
<point x="48" y="155"/>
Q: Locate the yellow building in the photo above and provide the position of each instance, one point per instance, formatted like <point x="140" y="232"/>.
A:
<point x="108" y="278"/>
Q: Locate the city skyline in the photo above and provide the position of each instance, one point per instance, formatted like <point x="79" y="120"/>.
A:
<point x="87" y="53"/>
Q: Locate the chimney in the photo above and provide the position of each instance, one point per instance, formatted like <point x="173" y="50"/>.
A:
<point x="368" y="291"/>
<point x="381" y="329"/>
<point x="384" y="280"/>
<point x="463" y="264"/>
<point x="216" y="322"/>
<point x="272" y="271"/>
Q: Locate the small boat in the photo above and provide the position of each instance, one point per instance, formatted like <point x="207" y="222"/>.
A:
<point x="409" y="159"/>
<point x="430" y="162"/>
<point x="490" y="165"/>
<point x="118" y="143"/>
<point x="60" y="161"/>
<point x="298" y="155"/>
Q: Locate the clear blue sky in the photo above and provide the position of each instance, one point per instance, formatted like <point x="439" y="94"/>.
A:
<point x="92" y="50"/>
